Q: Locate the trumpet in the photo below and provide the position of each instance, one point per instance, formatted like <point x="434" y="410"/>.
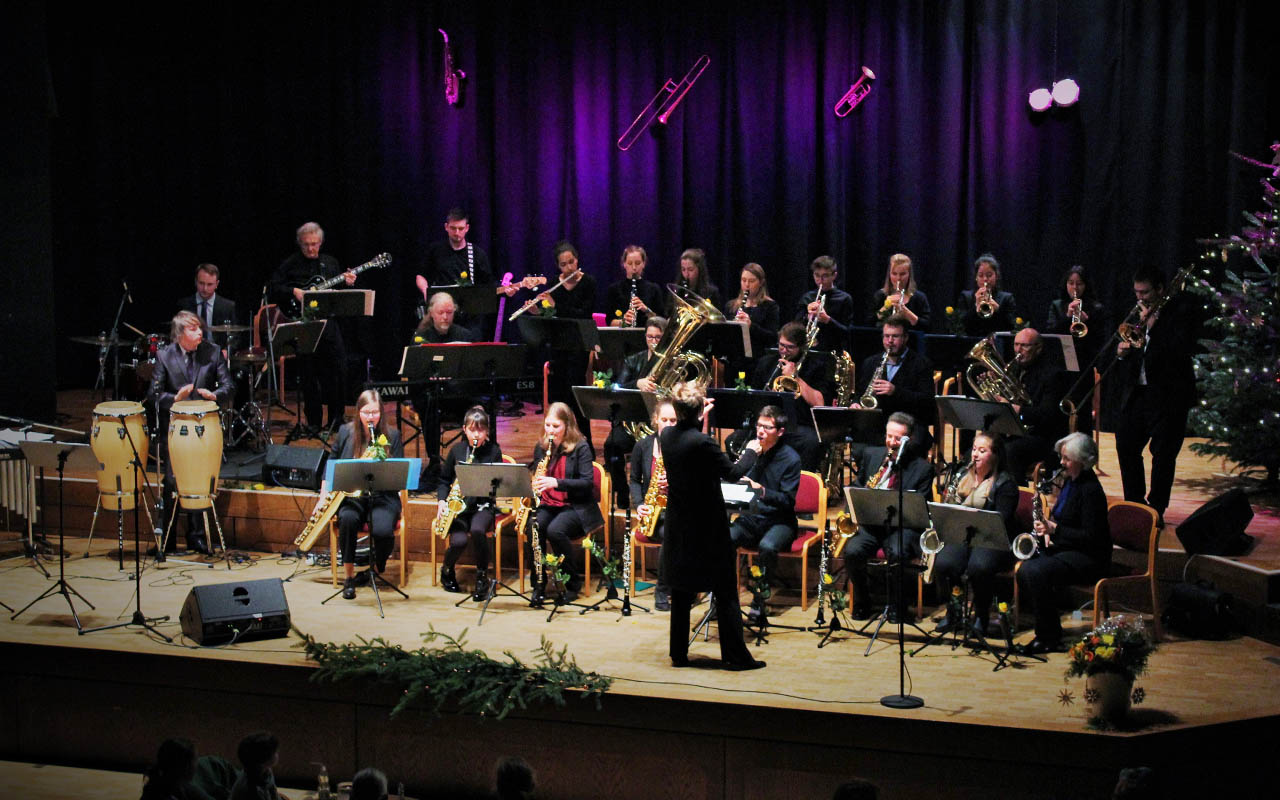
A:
<point x="811" y="326"/>
<point x="986" y="308"/>
<point x="856" y="94"/>
<point x="1078" y="328"/>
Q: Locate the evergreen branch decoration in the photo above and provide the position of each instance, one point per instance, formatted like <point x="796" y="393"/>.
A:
<point x="444" y="673"/>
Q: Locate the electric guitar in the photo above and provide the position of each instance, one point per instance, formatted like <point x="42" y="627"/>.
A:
<point x="319" y="283"/>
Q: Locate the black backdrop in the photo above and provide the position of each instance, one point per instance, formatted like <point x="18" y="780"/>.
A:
<point x="187" y="134"/>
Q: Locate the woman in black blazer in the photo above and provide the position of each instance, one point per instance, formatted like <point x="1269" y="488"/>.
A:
<point x="567" y="508"/>
<point x="753" y="306"/>
<point x="986" y="276"/>
<point x="1076" y="543"/>
<point x="985" y="486"/>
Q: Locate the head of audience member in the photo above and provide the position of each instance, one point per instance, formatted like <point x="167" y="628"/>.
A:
<point x="1077" y="452"/>
<point x="1136" y="783"/>
<point x="258" y="753"/>
<point x="901" y="425"/>
<point x="893" y="336"/>
<point x="561" y="426"/>
<point x="791" y="341"/>
<point x="206" y="281"/>
<point x="175" y="764"/>
<point x="369" y="784"/>
<point x="900" y="273"/>
<point x="1148" y="285"/>
<point x="1027" y="345"/>
<point x="514" y="779"/>
<point x="986" y="272"/>
<point x="654" y="327"/>
<point x="688" y="400"/>
<point x="824" y="271"/>
<point x="441" y="309"/>
<point x="456" y="226"/>
<point x="186" y="330"/>
<point x="771" y="424"/>
<point x="693" y="270"/>
<point x="566" y="259"/>
<point x="856" y="789"/>
<point x="987" y="455"/>
<point x="634" y="259"/>
<point x="310" y="236"/>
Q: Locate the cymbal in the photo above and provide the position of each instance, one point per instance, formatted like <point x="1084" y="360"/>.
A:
<point x="229" y="328"/>
<point x="99" y="341"/>
<point x="248" y="358"/>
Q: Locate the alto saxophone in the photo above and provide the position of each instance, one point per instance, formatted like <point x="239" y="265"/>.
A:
<point x="930" y="543"/>
<point x="454" y="503"/>
<point x="655" y="497"/>
<point x="869" y="399"/>
<point x="526" y="508"/>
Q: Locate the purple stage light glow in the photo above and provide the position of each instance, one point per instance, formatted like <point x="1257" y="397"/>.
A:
<point x="1040" y="100"/>
<point x="1066" y="92"/>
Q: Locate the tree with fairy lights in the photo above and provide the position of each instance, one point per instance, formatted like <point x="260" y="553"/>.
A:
<point x="1238" y="374"/>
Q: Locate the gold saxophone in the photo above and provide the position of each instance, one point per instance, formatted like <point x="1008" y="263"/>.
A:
<point x="869" y="399"/>
<point x="453" y="504"/>
<point x="930" y="542"/>
<point x="526" y="508"/>
<point x="324" y="511"/>
<point x="833" y="458"/>
<point x="655" y="497"/>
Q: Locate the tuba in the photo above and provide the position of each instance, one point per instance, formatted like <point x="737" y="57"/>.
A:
<point x="674" y="360"/>
<point x="989" y="375"/>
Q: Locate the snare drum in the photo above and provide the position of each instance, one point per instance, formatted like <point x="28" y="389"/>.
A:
<point x="145" y="351"/>
<point x="195" y="451"/>
<point x="115" y="425"/>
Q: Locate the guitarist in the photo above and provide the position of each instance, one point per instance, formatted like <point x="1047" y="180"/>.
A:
<point x="455" y="261"/>
<point x="323" y="375"/>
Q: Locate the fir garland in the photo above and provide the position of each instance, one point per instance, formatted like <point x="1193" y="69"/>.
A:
<point x="445" y="673"/>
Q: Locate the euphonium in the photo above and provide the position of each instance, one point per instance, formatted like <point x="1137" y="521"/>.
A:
<point x="989" y="375"/>
<point x="655" y="497"/>
<point x="869" y="399"/>
<point x="454" y="503"/>
<point x="1078" y="328"/>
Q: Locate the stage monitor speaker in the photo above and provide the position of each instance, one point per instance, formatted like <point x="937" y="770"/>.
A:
<point x="1217" y="527"/>
<point x="236" y="611"/>
<point x="299" y="467"/>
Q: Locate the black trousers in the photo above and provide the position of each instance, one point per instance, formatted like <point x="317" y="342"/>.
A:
<point x="323" y="377"/>
<point x="472" y="529"/>
<point x="559" y="527"/>
<point x="1148" y="418"/>
<point x="381" y="511"/>
<point x="981" y="564"/>
<point x="1043" y="576"/>
<point x="863" y="546"/>
<point x="733" y="649"/>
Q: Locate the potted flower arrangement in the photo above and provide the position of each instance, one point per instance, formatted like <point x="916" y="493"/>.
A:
<point x="1110" y="659"/>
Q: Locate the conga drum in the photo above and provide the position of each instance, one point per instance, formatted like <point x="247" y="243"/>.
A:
<point x="195" y="451"/>
<point x="115" y="425"/>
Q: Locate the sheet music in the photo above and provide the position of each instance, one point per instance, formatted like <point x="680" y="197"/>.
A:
<point x="737" y="493"/>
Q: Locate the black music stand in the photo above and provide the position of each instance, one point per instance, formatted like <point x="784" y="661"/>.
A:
<point x="569" y="335"/>
<point x="837" y="424"/>
<point x="507" y="481"/>
<point x="948" y="352"/>
<point x="60" y="456"/>
<point x="365" y="475"/>
<point x="737" y="409"/>
<point x="618" y="343"/>
<point x="882" y="505"/>
<point x="296" y="339"/>
<point x="970" y="413"/>
<point x="728" y="340"/>
<point x="331" y="303"/>
<point x="469" y="298"/>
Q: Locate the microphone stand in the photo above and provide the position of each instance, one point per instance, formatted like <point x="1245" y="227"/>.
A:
<point x="113" y="343"/>
<point x="901" y="700"/>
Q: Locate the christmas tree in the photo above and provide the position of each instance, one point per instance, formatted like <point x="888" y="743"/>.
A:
<point x="1238" y="373"/>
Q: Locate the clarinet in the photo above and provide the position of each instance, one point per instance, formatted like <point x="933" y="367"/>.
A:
<point x="631" y="302"/>
<point x="535" y="542"/>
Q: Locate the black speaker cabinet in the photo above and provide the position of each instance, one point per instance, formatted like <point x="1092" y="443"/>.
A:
<point x="299" y="467"/>
<point x="1217" y="527"/>
<point x="236" y="610"/>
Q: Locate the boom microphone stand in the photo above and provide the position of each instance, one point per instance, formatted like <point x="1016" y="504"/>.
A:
<point x="901" y="700"/>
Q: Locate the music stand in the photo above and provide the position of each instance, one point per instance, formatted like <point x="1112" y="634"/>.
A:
<point x="618" y="343"/>
<point x="948" y="352"/>
<point x="296" y="339"/>
<point x="370" y="475"/>
<point x="469" y="298"/>
<point x="879" y="507"/>
<point x="507" y="481"/>
<point x="331" y="303"/>
<point x="728" y="340"/>
<point x="570" y="335"/>
<point x="60" y="456"/>
<point x="970" y="413"/>
<point x="837" y="424"/>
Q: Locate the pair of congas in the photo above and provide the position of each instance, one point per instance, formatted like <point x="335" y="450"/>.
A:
<point x="195" y="451"/>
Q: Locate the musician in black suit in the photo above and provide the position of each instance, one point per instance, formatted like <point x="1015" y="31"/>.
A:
<point x="323" y="374"/>
<point x="700" y="555"/>
<point x="476" y="520"/>
<point x="1004" y="307"/>
<point x="187" y="369"/>
<point x="899" y="285"/>
<point x="813" y="388"/>
<point x="1159" y="388"/>
<point x="877" y="470"/>
<point x="619" y="308"/>
<point x="567" y="507"/>
<point x="1076" y="296"/>
<point x="636" y="367"/>
<point x="769" y="523"/>
<point x="907" y="382"/>
<point x="1045" y="384"/>
<point x="644" y="460"/>
<point x="211" y="307"/>
<point x="987" y="486"/>
<point x="835" y="317"/>
<point x="1076" y="544"/>
<point x="380" y="510"/>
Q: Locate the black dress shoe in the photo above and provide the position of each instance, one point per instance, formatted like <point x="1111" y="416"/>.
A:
<point x="1036" y="647"/>
<point x="679" y="661"/>
<point x="349" y="589"/>
<point x="449" y="580"/>
<point x="860" y="611"/>
<point x="743" y="666"/>
<point x="481" y="590"/>
<point x="198" y="544"/>
<point x="361" y="578"/>
<point x="661" y="600"/>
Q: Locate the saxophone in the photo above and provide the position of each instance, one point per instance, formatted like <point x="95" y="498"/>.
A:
<point x="833" y="458"/>
<point x="324" y="511"/>
<point x="454" y="503"/>
<point x="930" y="542"/>
<point x="655" y="497"/>
<point x="869" y="399"/>
<point x="525" y="509"/>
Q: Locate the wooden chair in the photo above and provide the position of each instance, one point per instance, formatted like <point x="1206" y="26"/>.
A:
<point x="601" y="493"/>
<point x="1133" y="528"/>
<point x="264" y="320"/>
<point x="364" y="529"/>
<point x="811" y="499"/>
<point x="493" y="534"/>
<point x="1026" y="497"/>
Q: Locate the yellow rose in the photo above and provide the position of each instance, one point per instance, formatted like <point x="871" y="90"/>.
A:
<point x="1105" y="653"/>
<point x="742" y="376"/>
<point x="951" y="309"/>
<point x="382" y="439"/>
<point x="756" y="572"/>
<point x="313" y="304"/>
<point x="826" y="578"/>
<point x="1003" y="608"/>
<point x="888" y="302"/>
<point x="617" y="312"/>
<point x="1108" y="638"/>
<point x="546" y="303"/>
<point x="463" y="274"/>
<point x="1018" y="320"/>
<point x="587" y="543"/>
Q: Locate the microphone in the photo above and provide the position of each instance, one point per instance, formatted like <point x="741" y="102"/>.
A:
<point x="902" y="445"/>
<point x="127" y="296"/>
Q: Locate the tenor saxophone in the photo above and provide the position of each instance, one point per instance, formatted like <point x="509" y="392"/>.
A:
<point x="454" y="503"/>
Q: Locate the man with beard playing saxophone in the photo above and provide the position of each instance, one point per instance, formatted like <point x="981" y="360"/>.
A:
<point x="899" y="379"/>
<point x="812" y="387"/>
<point x="647" y="465"/>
